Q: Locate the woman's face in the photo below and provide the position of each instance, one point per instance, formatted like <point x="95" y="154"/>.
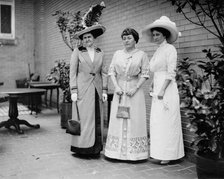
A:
<point x="128" y="41"/>
<point x="158" y="37"/>
<point x="88" y="40"/>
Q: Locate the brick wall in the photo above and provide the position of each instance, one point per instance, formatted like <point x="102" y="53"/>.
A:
<point x="116" y="16"/>
<point x="14" y="58"/>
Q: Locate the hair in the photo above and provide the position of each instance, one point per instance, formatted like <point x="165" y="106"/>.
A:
<point x="130" y="31"/>
<point x="91" y="32"/>
<point x="164" y="31"/>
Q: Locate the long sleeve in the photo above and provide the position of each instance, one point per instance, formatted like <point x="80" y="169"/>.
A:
<point x="104" y="76"/>
<point x="73" y="71"/>
<point x="171" y="63"/>
<point x="145" y="71"/>
<point x="112" y="70"/>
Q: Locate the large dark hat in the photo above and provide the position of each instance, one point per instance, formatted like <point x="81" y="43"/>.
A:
<point x="90" y="21"/>
<point x="96" y="30"/>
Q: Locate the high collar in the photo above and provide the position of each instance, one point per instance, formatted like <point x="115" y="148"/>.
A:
<point x="163" y="43"/>
<point x="90" y="48"/>
<point x="131" y="52"/>
<point x="83" y="49"/>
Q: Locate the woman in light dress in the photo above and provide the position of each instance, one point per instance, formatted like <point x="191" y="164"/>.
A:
<point x="166" y="139"/>
<point x="127" y="138"/>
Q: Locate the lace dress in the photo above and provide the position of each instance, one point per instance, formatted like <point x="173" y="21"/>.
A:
<point x="127" y="138"/>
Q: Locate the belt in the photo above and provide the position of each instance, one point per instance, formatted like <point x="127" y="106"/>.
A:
<point x="128" y="78"/>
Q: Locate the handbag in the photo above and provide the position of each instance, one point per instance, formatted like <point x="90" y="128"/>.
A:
<point x="74" y="126"/>
<point x="123" y="111"/>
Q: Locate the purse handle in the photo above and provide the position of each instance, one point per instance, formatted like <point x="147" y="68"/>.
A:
<point x="76" y="105"/>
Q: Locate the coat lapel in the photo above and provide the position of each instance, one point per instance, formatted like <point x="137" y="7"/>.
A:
<point x="97" y="59"/>
<point x="86" y="56"/>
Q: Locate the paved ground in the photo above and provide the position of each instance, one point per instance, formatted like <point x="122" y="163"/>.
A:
<point x="45" y="154"/>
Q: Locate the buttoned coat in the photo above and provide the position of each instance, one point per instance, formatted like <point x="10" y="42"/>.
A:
<point x="88" y="78"/>
<point x="83" y="72"/>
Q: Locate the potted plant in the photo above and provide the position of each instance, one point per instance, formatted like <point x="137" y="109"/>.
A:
<point x="201" y="86"/>
<point x="60" y="74"/>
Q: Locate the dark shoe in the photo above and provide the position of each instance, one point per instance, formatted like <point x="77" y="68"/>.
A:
<point x="95" y="156"/>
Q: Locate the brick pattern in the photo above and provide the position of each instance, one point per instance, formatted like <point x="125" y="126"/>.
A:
<point x="4" y="109"/>
<point x="116" y="16"/>
<point x="15" y="57"/>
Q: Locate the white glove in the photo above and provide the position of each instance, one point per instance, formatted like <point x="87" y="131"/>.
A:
<point x="104" y="95"/>
<point x="74" y="97"/>
<point x="153" y="94"/>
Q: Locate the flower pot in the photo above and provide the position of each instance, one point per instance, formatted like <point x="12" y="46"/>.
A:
<point x="208" y="168"/>
<point x="66" y="113"/>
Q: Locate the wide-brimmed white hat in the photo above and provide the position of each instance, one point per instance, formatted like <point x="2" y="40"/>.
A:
<point x="163" y="22"/>
<point x="96" y="30"/>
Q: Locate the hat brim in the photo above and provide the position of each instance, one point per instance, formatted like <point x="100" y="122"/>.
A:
<point x="96" y="30"/>
<point x="147" y="34"/>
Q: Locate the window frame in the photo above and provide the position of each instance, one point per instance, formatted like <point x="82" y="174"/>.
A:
<point x="12" y="34"/>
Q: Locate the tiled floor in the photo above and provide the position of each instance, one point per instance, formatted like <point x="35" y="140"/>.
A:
<point x="45" y="154"/>
<point x="4" y="108"/>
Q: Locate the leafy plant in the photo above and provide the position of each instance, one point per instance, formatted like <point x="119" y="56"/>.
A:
<point x="60" y="74"/>
<point x="201" y="86"/>
<point x="204" y="11"/>
<point x="69" y="23"/>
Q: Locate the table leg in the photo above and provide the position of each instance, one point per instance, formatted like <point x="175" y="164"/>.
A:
<point x="46" y="98"/>
<point x="58" y="99"/>
<point x="13" y="120"/>
<point x="51" y="97"/>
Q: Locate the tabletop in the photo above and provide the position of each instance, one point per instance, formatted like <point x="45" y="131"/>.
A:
<point x="43" y="84"/>
<point x="18" y="91"/>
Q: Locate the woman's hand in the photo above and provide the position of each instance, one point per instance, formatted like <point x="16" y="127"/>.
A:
<point x="161" y="94"/>
<point x="132" y="91"/>
<point x="104" y="96"/>
<point x="151" y="88"/>
<point x="74" y="97"/>
<point x="118" y="90"/>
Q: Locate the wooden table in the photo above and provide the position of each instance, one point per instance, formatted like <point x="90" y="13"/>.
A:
<point x="13" y="95"/>
<point x="47" y="86"/>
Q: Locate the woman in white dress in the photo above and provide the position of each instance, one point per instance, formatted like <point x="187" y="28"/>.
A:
<point x="127" y="137"/>
<point x="166" y="139"/>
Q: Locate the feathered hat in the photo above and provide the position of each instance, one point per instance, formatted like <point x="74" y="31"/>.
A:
<point x="90" y="21"/>
<point x="165" y="23"/>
